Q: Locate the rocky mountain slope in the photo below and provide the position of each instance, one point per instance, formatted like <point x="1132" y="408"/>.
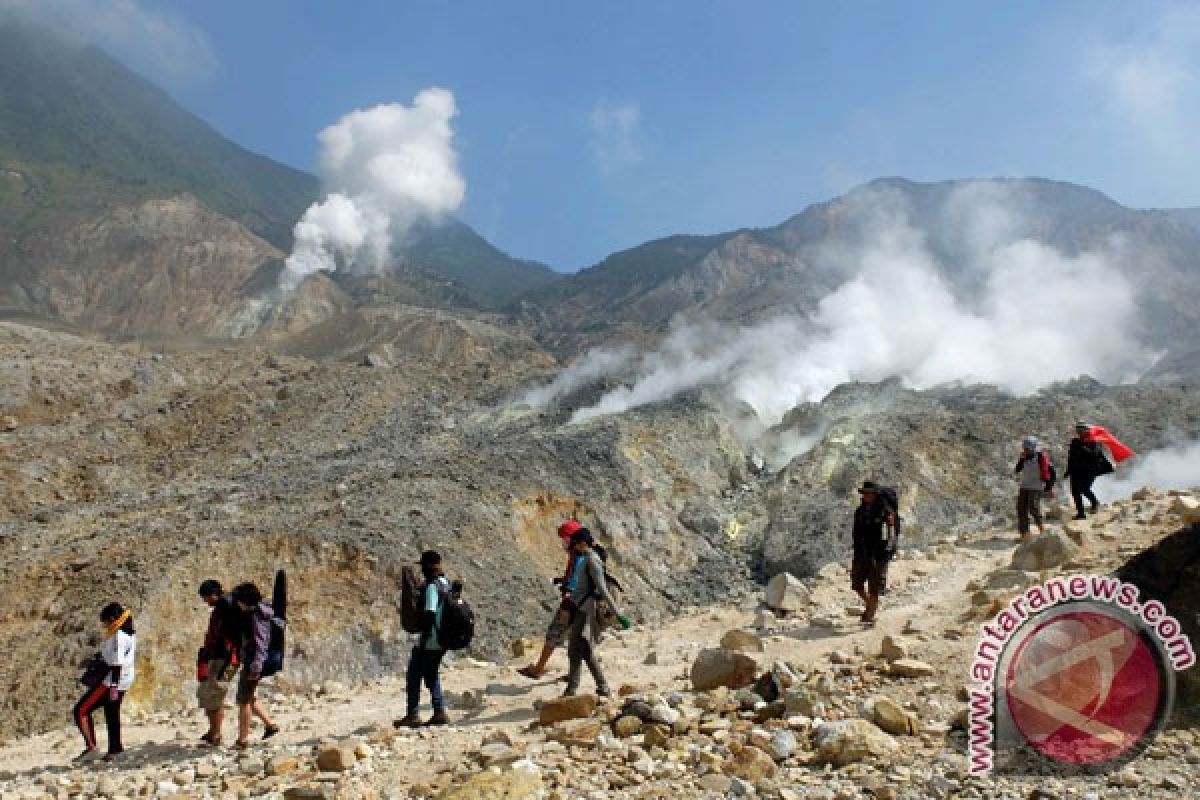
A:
<point x="752" y="275"/>
<point x="125" y="473"/>
<point x="860" y="712"/>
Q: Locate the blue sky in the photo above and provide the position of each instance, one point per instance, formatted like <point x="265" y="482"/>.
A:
<point x="585" y="128"/>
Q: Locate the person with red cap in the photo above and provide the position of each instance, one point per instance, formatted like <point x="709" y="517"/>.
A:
<point x="556" y="633"/>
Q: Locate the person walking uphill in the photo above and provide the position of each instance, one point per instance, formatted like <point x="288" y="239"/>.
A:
<point x="1035" y="477"/>
<point x="873" y="547"/>
<point x="256" y="616"/>
<point x="591" y="589"/>
<point x="426" y="658"/>
<point x="1085" y="462"/>
<point x="108" y="684"/>
<point x="557" y="631"/>
<point x="217" y="661"/>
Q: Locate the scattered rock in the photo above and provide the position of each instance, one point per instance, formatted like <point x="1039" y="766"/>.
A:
<point x="893" y="649"/>
<point x="1187" y="507"/>
<point x="523" y="781"/>
<point x="626" y="726"/>
<point x="1045" y="551"/>
<point x="786" y="592"/>
<point x="742" y="641"/>
<point x="751" y="764"/>
<point x="891" y="717"/>
<point x="847" y="741"/>
<point x="336" y="758"/>
<point x="561" y="709"/>
<point x="910" y="668"/>
<point x="718" y="667"/>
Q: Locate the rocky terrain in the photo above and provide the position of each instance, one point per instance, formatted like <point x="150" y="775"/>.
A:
<point x="840" y="711"/>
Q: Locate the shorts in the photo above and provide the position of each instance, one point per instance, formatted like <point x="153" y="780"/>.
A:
<point x="869" y="573"/>
<point x="556" y="634"/>
<point x="246" y="689"/>
<point x="211" y="692"/>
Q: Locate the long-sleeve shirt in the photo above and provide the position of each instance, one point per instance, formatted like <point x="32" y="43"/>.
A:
<point x="1033" y="471"/>
<point x="119" y="651"/>
<point x="1083" y="459"/>
<point x="867" y="533"/>
<point x="433" y="612"/>
<point x="256" y="637"/>
<point x="590" y="583"/>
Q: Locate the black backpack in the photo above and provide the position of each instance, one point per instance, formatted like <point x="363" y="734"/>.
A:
<point x="412" y="599"/>
<point x="457" y="627"/>
<point x="609" y="579"/>
<point x="891" y="502"/>
<point x="275" y="648"/>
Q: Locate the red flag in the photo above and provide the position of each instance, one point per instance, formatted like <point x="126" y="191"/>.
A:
<point x="1119" y="451"/>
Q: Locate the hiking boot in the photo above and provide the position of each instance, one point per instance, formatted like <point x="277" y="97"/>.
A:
<point x="1080" y="515"/>
<point x="438" y="718"/>
<point x="407" y="721"/>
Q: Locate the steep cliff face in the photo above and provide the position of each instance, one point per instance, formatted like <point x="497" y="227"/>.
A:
<point x="166" y="266"/>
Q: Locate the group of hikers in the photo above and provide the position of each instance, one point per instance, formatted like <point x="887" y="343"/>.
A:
<point x="876" y="528"/>
<point x="238" y="641"/>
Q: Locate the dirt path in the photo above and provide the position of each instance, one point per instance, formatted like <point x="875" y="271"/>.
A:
<point x="926" y="596"/>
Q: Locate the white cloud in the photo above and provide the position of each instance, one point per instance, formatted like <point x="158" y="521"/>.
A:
<point x="385" y="168"/>
<point x="616" y="130"/>
<point x="1150" y="77"/>
<point x="161" y="45"/>
<point x="1173" y="468"/>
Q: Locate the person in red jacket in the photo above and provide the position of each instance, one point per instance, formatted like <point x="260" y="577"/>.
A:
<point x="556" y="633"/>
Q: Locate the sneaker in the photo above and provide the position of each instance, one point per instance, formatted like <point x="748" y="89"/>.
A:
<point x="531" y="672"/>
<point x="438" y="718"/>
<point x="1080" y="516"/>
<point x="407" y="721"/>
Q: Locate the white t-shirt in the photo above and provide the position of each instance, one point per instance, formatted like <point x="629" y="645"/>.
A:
<point x="120" y="650"/>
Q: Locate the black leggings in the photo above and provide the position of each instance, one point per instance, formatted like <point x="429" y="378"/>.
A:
<point x="1080" y="490"/>
<point x="82" y="714"/>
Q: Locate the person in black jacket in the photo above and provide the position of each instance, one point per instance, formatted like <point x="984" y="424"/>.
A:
<point x="873" y="524"/>
<point x="1085" y="462"/>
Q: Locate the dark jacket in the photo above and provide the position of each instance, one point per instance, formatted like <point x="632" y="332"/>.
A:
<point x="1086" y="461"/>
<point x="256" y="637"/>
<point x="868" y="533"/>
<point x="224" y="630"/>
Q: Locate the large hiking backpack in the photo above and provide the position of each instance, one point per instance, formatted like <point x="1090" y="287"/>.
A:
<point x="457" y="627"/>
<point x="412" y="599"/>
<point x="609" y="578"/>
<point x="891" y="501"/>
<point x="277" y="644"/>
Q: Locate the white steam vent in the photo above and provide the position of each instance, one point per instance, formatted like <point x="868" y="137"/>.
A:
<point x="383" y="170"/>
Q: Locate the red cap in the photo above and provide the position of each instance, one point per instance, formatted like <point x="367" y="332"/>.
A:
<point x="568" y="528"/>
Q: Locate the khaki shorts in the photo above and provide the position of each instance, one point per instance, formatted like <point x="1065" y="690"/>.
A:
<point x="212" y="692"/>
<point x="556" y="634"/>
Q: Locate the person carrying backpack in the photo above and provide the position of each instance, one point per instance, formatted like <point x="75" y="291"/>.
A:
<point x="876" y="528"/>
<point x="1035" y="477"/>
<point x="426" y="658"/>
<point x="590" y="592"/>
<point x="256" y="616"/>
<point x="217" y="660"/>
<point x="106" y="686"/>
<point x="556" y="633"/>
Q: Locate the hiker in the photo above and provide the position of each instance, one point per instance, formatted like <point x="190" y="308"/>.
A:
<point x="1035" y="477"/>
<point x="217" y="661"/>
<point x="1085" y="462"/>
<point x="561" y="621"/>
<point x="427" y="654"/>
<point x="590" y="590"/>
<point x="255" y="628"/>
<point x="873" y="547"/>
<point x="116" y="661"/>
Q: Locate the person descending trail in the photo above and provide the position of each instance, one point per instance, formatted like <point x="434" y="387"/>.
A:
<point x="556" y="633"/>
<point x="1035" y="477"/>
<point x="426" y="659"/>
<point x="256" y="616"/>
<point x="593" y="603"/>
<point x="875" y="532"/>
<point x="1085" y="462"/>
<point x="217" y="660"/>
<point x="108" y="677"/>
